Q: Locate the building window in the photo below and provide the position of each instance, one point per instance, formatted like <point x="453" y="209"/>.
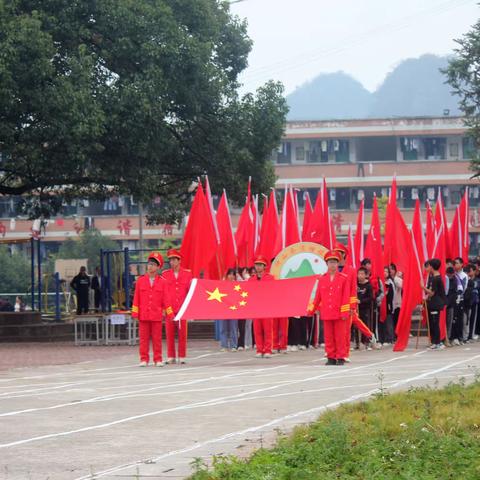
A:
<point x="434" y="148"/>
<point x="469" y="150"/>
<point x="453" y="150"/>
<point x="409" y="148"/>
<point x="284" y="153"/>
<point x="300" y="154"/>
<point x="342" y="151"/>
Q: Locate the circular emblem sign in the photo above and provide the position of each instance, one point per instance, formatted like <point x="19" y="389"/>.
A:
<point x="299" y="260"/>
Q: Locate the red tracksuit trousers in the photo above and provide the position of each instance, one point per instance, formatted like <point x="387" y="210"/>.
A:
<point x="280" y="333"/>
<point x="150" y="330"/>
<point x="262" y="328"/>
<point x="181" y="328"/>
<point x="334" y="333"/>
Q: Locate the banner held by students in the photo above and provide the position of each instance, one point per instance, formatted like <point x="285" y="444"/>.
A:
<point x="225" y="300"/>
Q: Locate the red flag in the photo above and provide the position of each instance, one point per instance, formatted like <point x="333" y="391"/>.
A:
<point x="397" y="237"/>
<point x="351" y="260"/>
<point x="329" y="237"/>
<point x="455" y="234"/>
<point x="359" y="238"/>
<point x="269" y="228"/>
<point x="464" y="218"/>
<point x="198" y="251"/>
<point x="227" y="239"/>
<point x="213" y="217"/>
<point x="439" y="251"/>
<point x="307" y="216"/>
<point x="215" y="299"/>
<point x="316" y="224"/>
<point x="373" y="245"/>
<point x="244" y="236"/>
<point x="430" y="231"/>
<point x="418" y="236"/>
<point x="412" y="295"/>
<point x="288" y="232"/>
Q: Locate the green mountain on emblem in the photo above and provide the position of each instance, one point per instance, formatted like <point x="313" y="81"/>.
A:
<point x="304" y="270"/>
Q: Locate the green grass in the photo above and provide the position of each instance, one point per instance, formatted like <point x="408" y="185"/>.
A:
<point x="420" y="434"/>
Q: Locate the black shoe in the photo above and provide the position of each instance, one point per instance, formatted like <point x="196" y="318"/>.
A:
<point x="340" y="361"/>
<point x="331" y="361"/>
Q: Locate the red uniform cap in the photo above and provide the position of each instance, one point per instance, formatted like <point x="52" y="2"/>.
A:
<point x="261" y="259"/>
<point x="173" y="253"/>
<point x="339" y="247"/>
<point x="156" y="257"/>
<point x="332" y="255"/>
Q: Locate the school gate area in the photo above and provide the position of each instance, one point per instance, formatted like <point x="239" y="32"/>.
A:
<point x="107" y="418"/>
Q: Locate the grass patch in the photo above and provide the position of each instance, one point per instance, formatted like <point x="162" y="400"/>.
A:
<point x="420" y="434"/>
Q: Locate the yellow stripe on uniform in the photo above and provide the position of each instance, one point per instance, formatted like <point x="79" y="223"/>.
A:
<point x="134" y="309"/>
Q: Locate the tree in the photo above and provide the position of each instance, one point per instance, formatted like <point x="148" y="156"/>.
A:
<point x="463" y="75"/>
<point x="15" y="277"/>
<point x="128" y="97"/>
<point x="88" y="246"/>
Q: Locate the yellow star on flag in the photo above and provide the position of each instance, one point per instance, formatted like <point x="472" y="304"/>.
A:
<point x="244" y="294"/>
<point x="237" y="288"/>
<point x="242" y="303"/>
<point x="216" y="295"/>
<point x="233" y="307"/>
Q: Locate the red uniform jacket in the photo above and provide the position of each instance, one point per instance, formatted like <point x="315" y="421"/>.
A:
<point x="332" y="297"/>
<point x="149" y="301"/>
<point x="178" y="286"/>
<point x="265" y="277"/>
<point x="351" y="274"/>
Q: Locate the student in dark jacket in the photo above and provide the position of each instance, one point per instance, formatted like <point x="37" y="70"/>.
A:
<point x="365" y="302"/>
<point x="451" y="291"/>
<point x="81" y="285"/>
<point x="436" y="300"/>
<point x="471" y="301"/>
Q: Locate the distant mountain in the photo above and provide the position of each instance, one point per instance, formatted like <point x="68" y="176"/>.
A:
<point x="304" y="270"/>
<point x="416" y="87"/>
<point x="332" y="95"/>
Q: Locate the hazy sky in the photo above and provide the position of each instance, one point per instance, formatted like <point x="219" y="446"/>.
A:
<point x="295" y="40"/>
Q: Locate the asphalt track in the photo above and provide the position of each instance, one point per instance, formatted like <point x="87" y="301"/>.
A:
<point x="110" y="419"/>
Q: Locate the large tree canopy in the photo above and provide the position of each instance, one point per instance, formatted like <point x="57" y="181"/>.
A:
<point x="463" y="75"/>
<point x="129" y="96"/>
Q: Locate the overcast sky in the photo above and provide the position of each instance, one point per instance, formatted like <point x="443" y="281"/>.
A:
<point x="295" y="40"/>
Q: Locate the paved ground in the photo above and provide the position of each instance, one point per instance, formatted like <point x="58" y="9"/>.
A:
<point x="107" y="418"/>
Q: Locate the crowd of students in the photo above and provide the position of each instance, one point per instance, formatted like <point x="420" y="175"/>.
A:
<point x="356" y="309"/>
<point x="379" y="303"/>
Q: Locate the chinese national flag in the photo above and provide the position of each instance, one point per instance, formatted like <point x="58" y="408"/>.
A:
<point x="226" y="300"/>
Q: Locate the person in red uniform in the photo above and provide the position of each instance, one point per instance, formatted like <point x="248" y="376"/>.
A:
<point x="178" y="280"/>
<point x="151" y="299"/>
<point x="333" y="301"/>
<point x="262" y="327"/>
<point x="354" y="319"/>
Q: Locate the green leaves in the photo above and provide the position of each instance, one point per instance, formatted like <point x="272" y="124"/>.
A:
<point x="130" y="97"/>
<point x="463" y="75"/>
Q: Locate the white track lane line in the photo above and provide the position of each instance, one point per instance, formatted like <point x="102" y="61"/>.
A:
<point x="113" y="396"/>
<point x="208" y="403"/>
<point x="269" y="424"/>
<point x="87" y="371"/>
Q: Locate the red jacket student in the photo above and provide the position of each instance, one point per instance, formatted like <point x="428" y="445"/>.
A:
<point x="151" y="300"/>
<point x="333" y="301"/>
<point x="262" y="327"/>
<point x="178" y="280"/>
